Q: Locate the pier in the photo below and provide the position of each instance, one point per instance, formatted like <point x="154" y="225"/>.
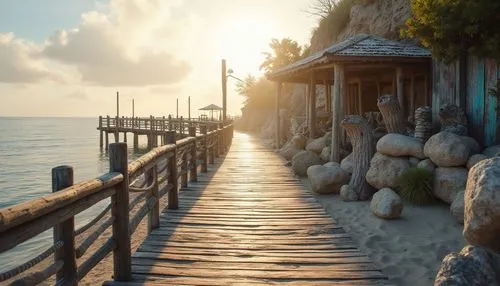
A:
<point x="234" y="216"/>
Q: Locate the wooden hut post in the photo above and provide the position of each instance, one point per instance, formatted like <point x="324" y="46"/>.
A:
<point x="312" y="106"/>
<point x="412" y="96"/>
<point x="328" y="94"/>
<point x="173" y="199"/>
<point x="100" y="133"/>
<point x="62" y="177"/>
<point x="400" y="90"/>
<point x="203" y="131"/>
<point x="193" y="172"/>
<point x="338" y="93"/>
<point x="360" y="97"/>
<point x="278" y="131"/>
<point x="121" y="254"/>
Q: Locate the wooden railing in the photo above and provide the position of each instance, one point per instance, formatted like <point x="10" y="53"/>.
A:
<point x="152" y="124"/>
<point x="138" y="185"/>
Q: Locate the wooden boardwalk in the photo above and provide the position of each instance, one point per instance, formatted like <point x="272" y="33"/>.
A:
<point x="251" y="223"/>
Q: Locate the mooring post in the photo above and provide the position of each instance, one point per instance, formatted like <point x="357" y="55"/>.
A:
<point x="100" y="133"/>
<point x="107" y="141"/>
<point x="136" y="141"/>
<point x="173" y="199"/>
<point x="203" y="131"/>
<point x="117" y="136"/>
<point x="121" y="254"/>
<point x="193" y="175"/>
<point x="62" y="177"/>
<point x="169" y="122"/>
<point x="181" y="127"/>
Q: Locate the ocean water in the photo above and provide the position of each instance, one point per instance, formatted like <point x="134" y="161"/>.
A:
<point x="29" y="149"/>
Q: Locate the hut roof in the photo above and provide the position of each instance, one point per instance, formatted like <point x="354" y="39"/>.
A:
<point x="358" y="48"/>
<point x="211" y="107"/>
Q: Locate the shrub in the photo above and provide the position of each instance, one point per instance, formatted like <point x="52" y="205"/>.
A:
<point x="416" y="186"/>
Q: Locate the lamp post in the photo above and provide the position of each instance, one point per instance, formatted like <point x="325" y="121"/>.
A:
<point x="225" y="74"/>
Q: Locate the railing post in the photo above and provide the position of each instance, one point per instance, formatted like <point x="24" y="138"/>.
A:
<point x="62" y="177"/>
<point x="203" y="131"/>
<point x="184" y="169"/>
<point x="152" y="132"/>
<point x="120" y="211"/>
<point x="173" y="198"/>
<point x="216" y="141"/>
<point x="222" y="144"/>
<point x="193" y="175"/>
<point x="181" y="126"/>
<point x="100" y="133"/>
<point x="154" y="214"/>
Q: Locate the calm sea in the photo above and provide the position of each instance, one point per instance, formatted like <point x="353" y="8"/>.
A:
<point x="29" y="149"/>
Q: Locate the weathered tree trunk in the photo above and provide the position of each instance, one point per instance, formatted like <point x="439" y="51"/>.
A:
<point x="359" y="131"/>
<point x="392" y="113"/>
<point x="423" y="123"/>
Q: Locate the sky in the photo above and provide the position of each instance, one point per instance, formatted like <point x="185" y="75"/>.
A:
<point x="69" y="58"/>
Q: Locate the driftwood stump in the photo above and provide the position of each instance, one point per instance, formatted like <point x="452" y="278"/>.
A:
<point x="360" y="133"/>
<point x="423" y="123"/>
<point x="391" y="111"/>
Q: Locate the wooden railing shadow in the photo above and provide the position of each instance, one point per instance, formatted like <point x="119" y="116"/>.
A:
<point x="151" y="177"/>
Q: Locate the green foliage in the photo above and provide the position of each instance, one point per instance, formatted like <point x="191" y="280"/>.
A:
<point x="259" y="93"/>
<point x="284" y="52"/>
<point x="452" y="28"/>
<point x="416" y="186"/>
<point x="330" y="26"/>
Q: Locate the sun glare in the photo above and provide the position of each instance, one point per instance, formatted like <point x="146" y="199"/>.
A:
<point x="242" y="40"/>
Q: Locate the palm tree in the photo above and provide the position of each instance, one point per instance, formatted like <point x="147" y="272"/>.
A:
<point x="283" y="53"/>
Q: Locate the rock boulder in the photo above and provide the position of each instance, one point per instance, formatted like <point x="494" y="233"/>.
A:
<point x="325" y="154"/>
<point x="491" y="151"/>
<point x="474" y="265"/>
<point x="448" y="182"/>
<point x="347" y="164"/>
<point x="474" y="159"/>
<point x="482" y="204"/>
<point x="316" y="146"/>
<point x="303" y="160"/>
<point x="427" y="164"/>
<point x="385" y="171"/>
<point x="386" y="204"/>
<point x="348" y="194"/>
<point x="447" y="149"/>
<point x="327" y="179"/>
<point x="398" y="145"/>
<point x="457" y="207"/>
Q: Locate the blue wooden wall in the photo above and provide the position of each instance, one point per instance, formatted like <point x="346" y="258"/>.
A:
<point x="481" y="108"/>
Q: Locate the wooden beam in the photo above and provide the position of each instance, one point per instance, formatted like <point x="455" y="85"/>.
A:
<point x="278" y="131"/>
<point x="412" y="95"/>
<point x="328" y="96"/>
<point x="360" y="98"/>
<point x="338" y="90"/>
<point x="312" y="106"/>
<point x="400" y="91"/>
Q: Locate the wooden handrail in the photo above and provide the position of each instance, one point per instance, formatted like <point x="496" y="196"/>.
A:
<point x="23" y="221"/>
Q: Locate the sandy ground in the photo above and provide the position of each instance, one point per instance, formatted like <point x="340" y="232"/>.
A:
<point x="409" y="250"/>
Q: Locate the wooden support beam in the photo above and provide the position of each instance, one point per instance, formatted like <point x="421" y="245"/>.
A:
<point x="360" y="98"/>
<point x="412" y="96"/>
<point x="278" y="131"/>
<point x="400" y="91"/>
<point x="312" y="106"/>
<point x="338" y="90"/>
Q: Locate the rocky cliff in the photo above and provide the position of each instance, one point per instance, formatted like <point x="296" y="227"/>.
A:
<point x="377" y="17"/>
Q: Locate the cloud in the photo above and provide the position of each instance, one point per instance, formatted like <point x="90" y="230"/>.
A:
<point x="19" y="61"/>
<point x="165" y="90"/>
<point x="118" y="48"/>
<point x="77" y="94"/>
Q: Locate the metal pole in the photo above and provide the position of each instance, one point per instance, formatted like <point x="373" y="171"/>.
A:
<point x="189" y="107"/>
<point x="133" y="108"/>
<point x="177" y="110"/>
<point x="224" y="90"/>
<point x="117" y="104"/>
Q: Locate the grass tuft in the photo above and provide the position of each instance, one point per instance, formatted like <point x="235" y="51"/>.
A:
<point x="416" y="186"/>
